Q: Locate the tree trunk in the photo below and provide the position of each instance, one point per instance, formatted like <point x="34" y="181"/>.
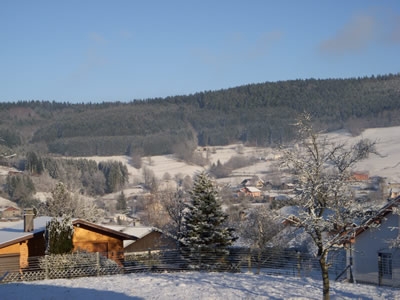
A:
<point x="258" y="261"/>
<point x="325" y="275"/>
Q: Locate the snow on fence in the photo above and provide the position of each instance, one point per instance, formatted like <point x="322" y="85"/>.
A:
<point x="80" y="264"/>
<point x="83" y="264"/>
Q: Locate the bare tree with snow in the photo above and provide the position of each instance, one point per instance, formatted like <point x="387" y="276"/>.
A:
<point x="63" y="202"/>
<point x="323" y="169"/>
<point x="260" y="230"/>
<point x="175" y="204"/>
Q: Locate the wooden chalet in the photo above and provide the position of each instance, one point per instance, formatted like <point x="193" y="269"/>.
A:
<point x="250" y="191"/>
<point x="26" y="239"/>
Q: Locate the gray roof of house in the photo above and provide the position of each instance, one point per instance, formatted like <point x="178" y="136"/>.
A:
<point x="138" y="231"/>
<point x="15" y="233"/>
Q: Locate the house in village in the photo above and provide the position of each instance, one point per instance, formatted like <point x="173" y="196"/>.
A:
<point x="21" y="242"/>
<point x="250" y="191"/>
<point x="369" y="251"/>
<point x="360" y="176"/>
<point x="394" y="190"/>
<point x="255" y="181"/>
<point x="9" y="212"/>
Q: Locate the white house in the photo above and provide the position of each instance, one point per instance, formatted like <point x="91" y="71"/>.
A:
<point x="369" y="252"/>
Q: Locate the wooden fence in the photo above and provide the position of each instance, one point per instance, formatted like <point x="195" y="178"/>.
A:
<point x="273" y="262"/>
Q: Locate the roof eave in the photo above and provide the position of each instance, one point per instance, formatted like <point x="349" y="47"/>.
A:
<point x="122" y="235"/>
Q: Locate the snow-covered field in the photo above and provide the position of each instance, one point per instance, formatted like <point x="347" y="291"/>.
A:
<point x="192" y="285"/>
<point x="387" y="164"/>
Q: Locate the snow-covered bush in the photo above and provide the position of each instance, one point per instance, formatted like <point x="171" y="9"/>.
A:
<point x="78" y="263"/>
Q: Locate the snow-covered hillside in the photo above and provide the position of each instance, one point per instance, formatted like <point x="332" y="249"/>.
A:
<point x="387" y="164"/>
<point x="193" y="285"/>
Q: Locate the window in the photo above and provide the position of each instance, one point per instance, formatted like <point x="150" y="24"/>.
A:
<point x="385" y="265"/>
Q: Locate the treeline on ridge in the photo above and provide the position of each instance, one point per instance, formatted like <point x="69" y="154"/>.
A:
<point x="254" y="114"/>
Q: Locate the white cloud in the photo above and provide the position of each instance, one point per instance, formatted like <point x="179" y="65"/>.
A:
<point x="125" y="34"/>
<point x="394" y="35"/>
<point x="238" y="49"/>
<point x="355" y="36"/>
<point x="264" y="43"/>
<point x="93" y="59"/>
<point x="97" y="37"/>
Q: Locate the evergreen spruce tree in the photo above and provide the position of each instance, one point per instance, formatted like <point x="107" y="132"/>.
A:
<point x="121" y="202"/>
<point x="205" y="239"/>
<point x="59" y="236"/>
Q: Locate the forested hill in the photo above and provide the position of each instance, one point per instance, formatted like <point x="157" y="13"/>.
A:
<point x="255" y="114"/>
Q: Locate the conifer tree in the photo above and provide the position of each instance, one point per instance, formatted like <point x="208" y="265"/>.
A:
<point x="59" y="236"/>
<point x="205" y="238"/>
<point x="121" y="202"/>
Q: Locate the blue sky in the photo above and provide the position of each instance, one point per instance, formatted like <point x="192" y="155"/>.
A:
<point x="81" y="51"/>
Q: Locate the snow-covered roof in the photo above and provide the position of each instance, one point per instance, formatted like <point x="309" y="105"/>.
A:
<point x="287" y="211"/>
<point x="15" y="233"/>
<point x="138" y="231"/>
<point x="8" y="208"/>
<point x="282" y="197"/>
<point x="253" y="189"/>
<point x="378" y="216"/>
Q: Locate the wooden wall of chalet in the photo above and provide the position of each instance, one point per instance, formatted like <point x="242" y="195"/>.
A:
<point x="12" y="249"/>
<point x="93" y="240"/>
<point x="35" y="246"/>
<point x="10" y="259"/>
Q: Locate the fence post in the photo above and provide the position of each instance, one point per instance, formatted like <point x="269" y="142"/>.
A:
<point x="97" y="263"/>
<point x="46" y="273"/>
<point x="298" y="264"/>
<point x="249" y="261"/>
<point x="380" y="269"/>
<point x="150" y="262"/>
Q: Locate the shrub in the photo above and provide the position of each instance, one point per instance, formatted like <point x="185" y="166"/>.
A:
<point x="82" y="263"/>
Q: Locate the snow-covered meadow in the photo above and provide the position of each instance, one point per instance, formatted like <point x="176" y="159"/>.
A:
<point x="386" y="164"/>
<point x="190" y="285"/>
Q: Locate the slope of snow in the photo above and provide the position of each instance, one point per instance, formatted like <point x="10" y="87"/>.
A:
<point x="385" y="165"/>
<point x="192" y="285"/>
<point x="387" y="139"/>
<point x="5" y="202"/>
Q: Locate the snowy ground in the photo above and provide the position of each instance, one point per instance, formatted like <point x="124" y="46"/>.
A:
<point x="191" y="285"/>
<point x="385" y="165"/>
